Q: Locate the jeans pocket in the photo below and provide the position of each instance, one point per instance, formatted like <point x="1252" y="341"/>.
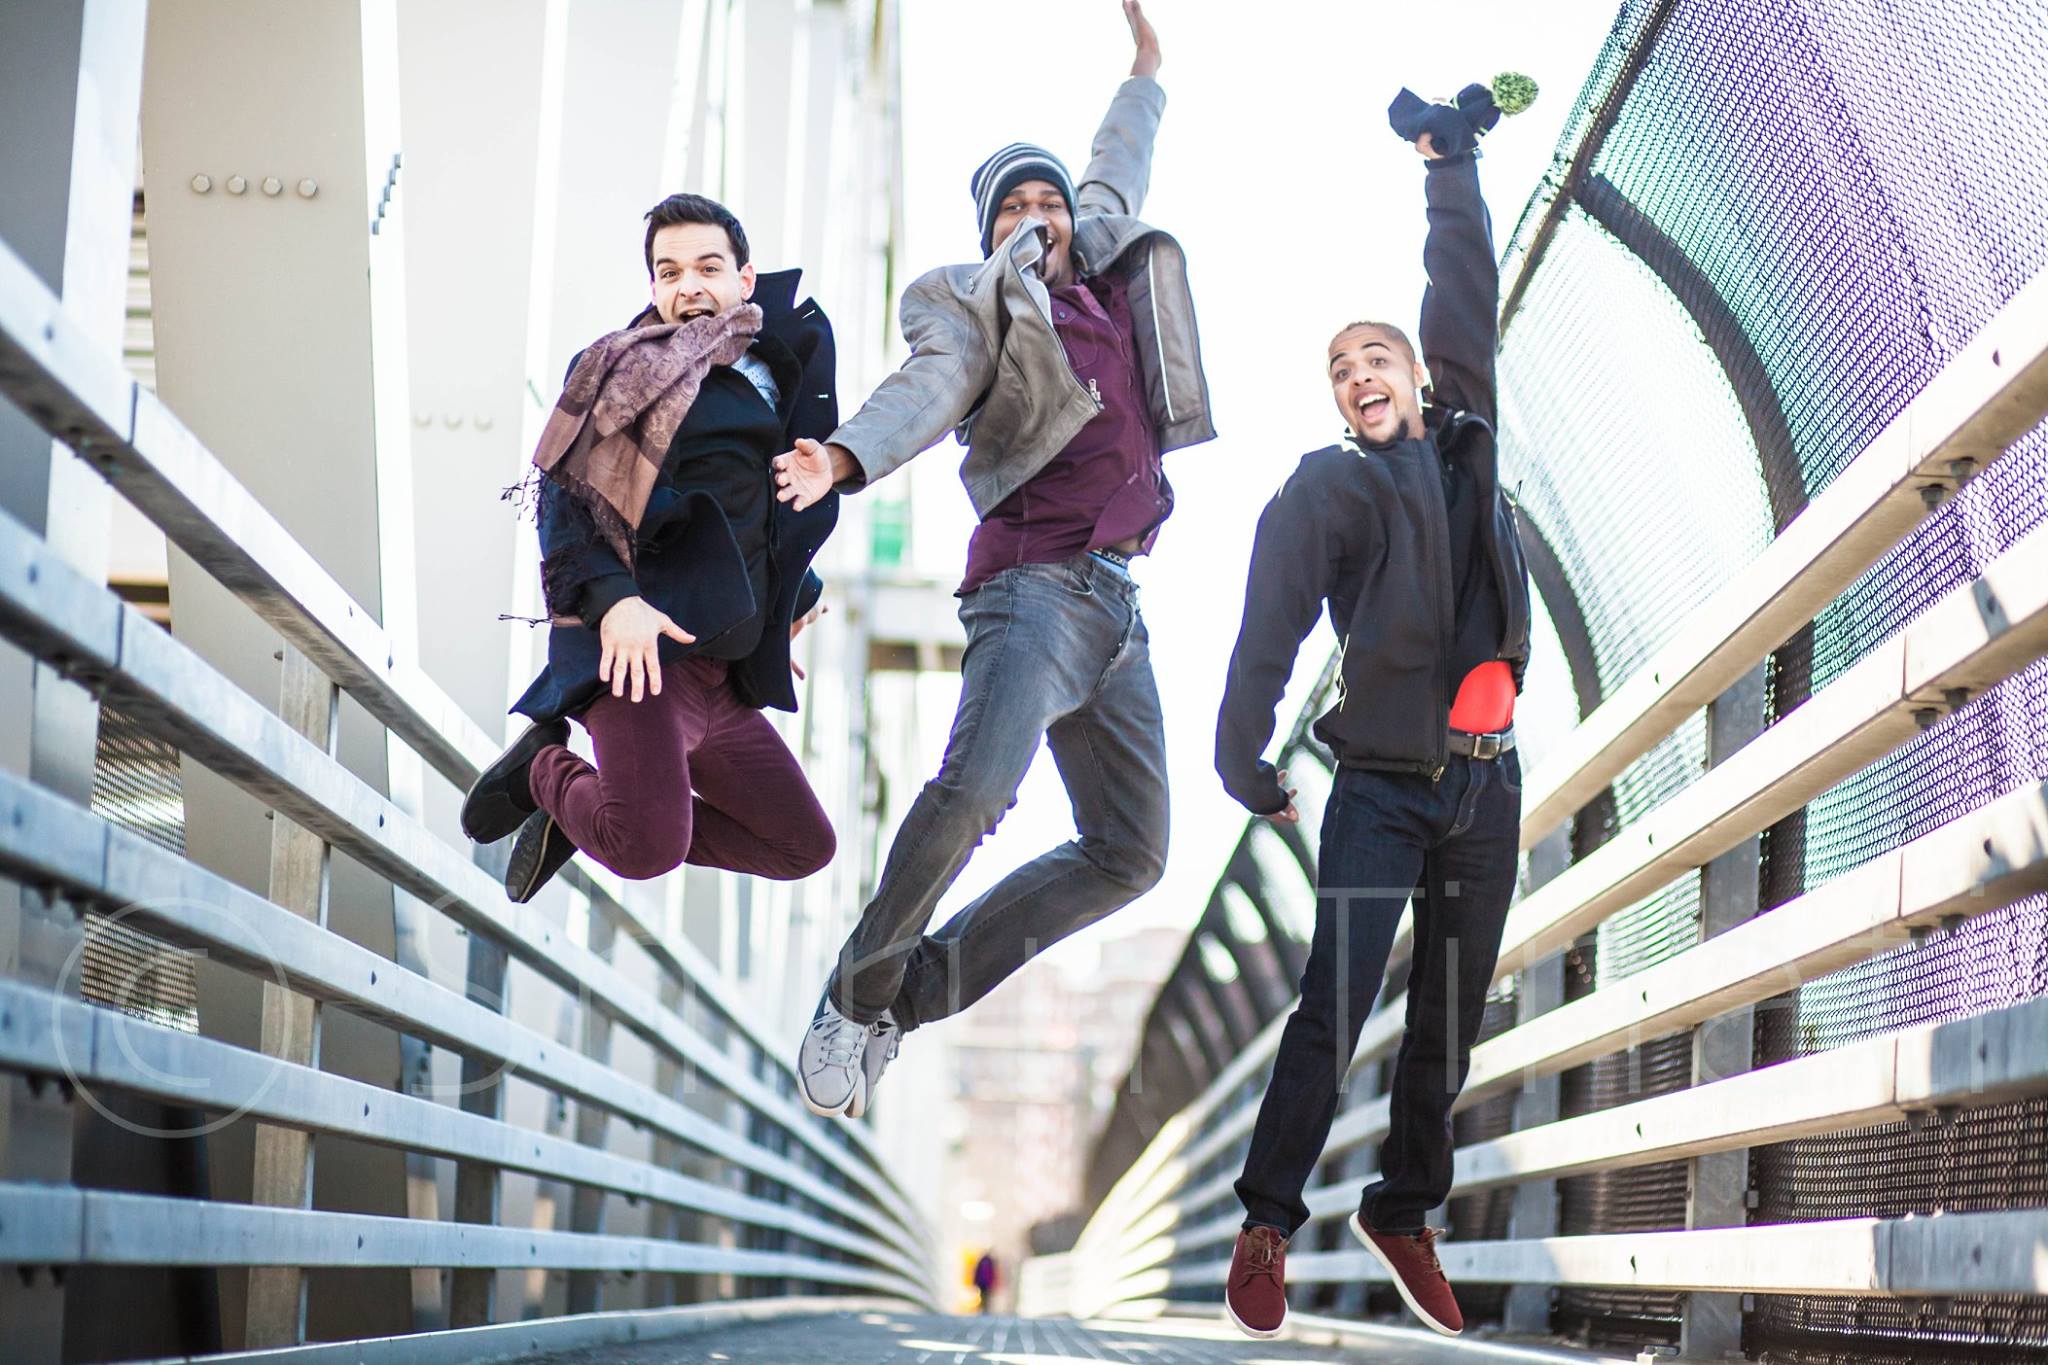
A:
<point x="1510" y="765"/>
<point x="1065" y="576"/>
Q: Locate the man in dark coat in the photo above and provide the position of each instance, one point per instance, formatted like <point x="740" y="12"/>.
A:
<point x="674" y="580"/>
<point x="1404" y="535"/>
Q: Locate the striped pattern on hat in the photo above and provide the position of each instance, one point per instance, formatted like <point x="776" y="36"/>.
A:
<point x="1007" y="169"/>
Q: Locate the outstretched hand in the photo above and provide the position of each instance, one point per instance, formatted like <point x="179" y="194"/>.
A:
<point x="809" y="472"/>
<point x="630" y="636"/>
<point x="1146" y="62"/>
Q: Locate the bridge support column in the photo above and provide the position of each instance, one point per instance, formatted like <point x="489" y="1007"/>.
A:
<point x="274" y="199"/>
<point x="70" y="90"/>
<point x="1730" y="885"/>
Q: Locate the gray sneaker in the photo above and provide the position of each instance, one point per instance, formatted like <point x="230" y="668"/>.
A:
<point x="884" y="1040"/>
<point x="829" y="1071"/>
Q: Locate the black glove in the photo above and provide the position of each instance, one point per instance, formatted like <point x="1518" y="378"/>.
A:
<point x="1457" y="127"/>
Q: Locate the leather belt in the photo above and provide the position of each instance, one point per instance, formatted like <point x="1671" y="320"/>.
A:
<point x="1482" y="747"/>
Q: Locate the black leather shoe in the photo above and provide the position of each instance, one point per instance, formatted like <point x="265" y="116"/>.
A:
<point x="537" y="855"/>
<point x="491" y="810"/>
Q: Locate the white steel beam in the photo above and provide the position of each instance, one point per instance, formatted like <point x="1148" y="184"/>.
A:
<point x="188" y="704"/>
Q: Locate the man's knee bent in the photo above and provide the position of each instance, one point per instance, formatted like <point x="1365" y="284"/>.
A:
<point x="1136" y="866"/>
<point x="970" y="802"/>
<point x="641" y="851"/>
<point x="811" y="853"/>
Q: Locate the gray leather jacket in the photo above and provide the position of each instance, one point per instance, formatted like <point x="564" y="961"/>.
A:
<point x="985" y="361"/>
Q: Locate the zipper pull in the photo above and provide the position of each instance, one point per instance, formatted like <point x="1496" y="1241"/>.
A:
<point x="1438" y="775"/>
<point x="1096" y="393"/>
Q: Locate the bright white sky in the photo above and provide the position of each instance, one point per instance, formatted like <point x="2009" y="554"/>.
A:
<point x="1299" y="211"/>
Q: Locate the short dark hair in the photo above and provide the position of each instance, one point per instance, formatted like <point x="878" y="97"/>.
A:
<point x="695" y="208"/>
<point x="1388" y="332"/>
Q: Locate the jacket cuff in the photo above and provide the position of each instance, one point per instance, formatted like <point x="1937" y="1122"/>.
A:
<point x="1263" y="794"/>
<point x="600" y="595"/>
<point x="862" y="475"/>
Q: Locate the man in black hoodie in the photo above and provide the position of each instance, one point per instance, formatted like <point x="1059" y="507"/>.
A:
<point x="1403" y="531"/>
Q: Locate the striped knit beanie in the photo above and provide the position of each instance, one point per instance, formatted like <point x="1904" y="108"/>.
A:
<point x="1007" y="169"/>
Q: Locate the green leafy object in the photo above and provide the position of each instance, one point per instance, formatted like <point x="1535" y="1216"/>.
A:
<point x="1513" y="92"/>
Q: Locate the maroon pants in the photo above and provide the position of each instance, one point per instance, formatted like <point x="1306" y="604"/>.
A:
<point x="692" y="775"/>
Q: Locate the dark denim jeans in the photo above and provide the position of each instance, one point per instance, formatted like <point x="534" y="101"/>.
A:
<point x="1451" y="845"/>
<point x="1058" y="652"/>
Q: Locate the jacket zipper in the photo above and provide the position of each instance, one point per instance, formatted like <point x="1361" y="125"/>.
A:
<point x="1440" y="537"/>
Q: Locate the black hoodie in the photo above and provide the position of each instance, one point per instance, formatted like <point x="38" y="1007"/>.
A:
<point x="1364" y="529"/>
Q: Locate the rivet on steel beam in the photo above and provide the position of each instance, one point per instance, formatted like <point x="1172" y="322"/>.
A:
<point x="1931" y="496"/>
<point x="1955" y="697"/>
<point x="484" y="423"/>
<point x="308" y="187"/>
<point x="272" y="186"/>
<point x="238" y="184"/>
<point x="1961" y="470"/>
<point x="202" y="184"/>
<point x="1926" y="717"/>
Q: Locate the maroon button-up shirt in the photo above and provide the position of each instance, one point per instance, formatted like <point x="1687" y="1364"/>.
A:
<point x="1107" y="485"/>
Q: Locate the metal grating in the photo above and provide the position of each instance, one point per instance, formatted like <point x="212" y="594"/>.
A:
<point x="1796" y="163"/>
<point x="135" y="785"/>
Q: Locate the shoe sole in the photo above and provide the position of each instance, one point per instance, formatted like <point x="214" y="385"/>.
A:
<point x="1241" y="1325"/>
<point x="1400" y="1285"/>
<point x="843" y="1109"/>
<point x="531" y="881"/>
<point x="867" y="1094"/>
<point x="482" y="816"/>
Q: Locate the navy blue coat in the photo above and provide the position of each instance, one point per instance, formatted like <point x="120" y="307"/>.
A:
<point x="689" y="563"/>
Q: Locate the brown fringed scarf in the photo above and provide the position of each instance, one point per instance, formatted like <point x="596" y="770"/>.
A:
<point x="609" y="433"/>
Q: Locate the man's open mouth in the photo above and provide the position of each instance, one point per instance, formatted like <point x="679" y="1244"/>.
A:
<point x="689" y="314"/>
<point x="1374" y="406"/>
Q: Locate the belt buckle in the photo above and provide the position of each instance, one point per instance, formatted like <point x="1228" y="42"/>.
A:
<point x="1486" y="747"/>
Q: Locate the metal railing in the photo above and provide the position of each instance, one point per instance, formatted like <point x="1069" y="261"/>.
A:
<point x="1164" y="1231"/>
<point x="841" y="1221"/>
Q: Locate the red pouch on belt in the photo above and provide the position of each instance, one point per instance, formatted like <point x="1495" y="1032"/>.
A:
<point x="1486" y="700"/>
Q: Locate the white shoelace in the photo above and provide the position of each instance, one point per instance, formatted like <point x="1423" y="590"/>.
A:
<point x="840" y="1040"/>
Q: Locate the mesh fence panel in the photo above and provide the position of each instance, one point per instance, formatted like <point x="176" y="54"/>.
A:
<point x="1793" y="214"/>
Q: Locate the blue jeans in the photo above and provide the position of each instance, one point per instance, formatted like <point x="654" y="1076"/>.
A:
<point x="1054" y="651"/>
<point x="1452" y="845"/>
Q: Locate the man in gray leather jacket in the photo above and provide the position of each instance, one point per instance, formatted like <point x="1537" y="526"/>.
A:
<point x="1067" y="362"/>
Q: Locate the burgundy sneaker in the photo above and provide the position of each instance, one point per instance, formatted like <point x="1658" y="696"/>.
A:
<point x="1417" y="1274"/>
<point x="1256" y="1296"/>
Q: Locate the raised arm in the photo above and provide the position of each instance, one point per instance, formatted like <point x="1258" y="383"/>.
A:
<point x="1119" y="169"/>
<point x="1461" y="306"/>
<point x="1282" y="598"/>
